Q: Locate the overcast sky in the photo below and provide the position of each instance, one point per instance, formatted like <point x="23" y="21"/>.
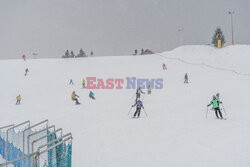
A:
<point x="115" y="27"/>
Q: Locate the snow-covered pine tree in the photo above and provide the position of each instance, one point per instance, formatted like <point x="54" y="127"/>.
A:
<point x="81" y="53"/>
<point x="66" y="55"/>
<point x="72" y="54"/>
<point x="218" y="35"/>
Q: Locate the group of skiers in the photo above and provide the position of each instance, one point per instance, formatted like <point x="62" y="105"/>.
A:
<point x="75" y="97"/>
<point x="83" y="83"/>
<point x="164" y="67"/>
<point x="136" y="52"/>
<point x="138" y="103"/>
<point x="18" y="98"/>
<point x="215" y="102"/>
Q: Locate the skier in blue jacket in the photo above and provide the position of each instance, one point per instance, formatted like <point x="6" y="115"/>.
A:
<point x="91" y="95"/>
<point x="138" y="105"/>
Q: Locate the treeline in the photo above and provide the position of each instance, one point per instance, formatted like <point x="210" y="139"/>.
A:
<point x="71" y="54"/>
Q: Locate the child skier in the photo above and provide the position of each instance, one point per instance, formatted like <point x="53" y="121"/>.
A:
<point x="138" y="93"/>
<point x="138" y="105"/>
<point x="149" y="89"/>
<point x="26" y="71"/>
<point x="83" y="83"/>
<point x="186" y="78"/>
<point x="91" y="95"/>
<point x="18" y="99"/>
<point x="164" y="66"/>
<point x="74" y="97"/>
<point x="71" y="82"/>
<point x="216" y="107"/>
<point x="24" y="57"/>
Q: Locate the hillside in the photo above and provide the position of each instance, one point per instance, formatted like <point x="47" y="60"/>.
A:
<point x="175" y="133"/>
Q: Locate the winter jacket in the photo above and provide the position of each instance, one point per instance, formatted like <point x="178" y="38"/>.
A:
<point x="215" y="103"/>
<point x="18" y="97"/>
<point x="91" y="94"/>
<point x="74" y="96"/>
<point x="138" y="104"/>
<point x="139" y="91"/>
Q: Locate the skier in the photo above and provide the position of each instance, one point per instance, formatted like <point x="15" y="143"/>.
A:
<point x="164" y="66"/>
<point x="138" y="105"/>
<point x="91" y="53"/>
<point x="149" y="89"/>
<point x="138" y="93"/>
<point x="186" y="78"/>
<point x="216" y="107"/>
<point x="24" y="57"/>
<point x="18" y="99"/>
<point x="142" y="51"/>
<point x="217" y="96"/>
<point x="135" y="52"/>
<point x="71" y="82"/>
<point x="74" y="97"/>
<point x="91" y="95"/>
<point x="26" y="71"/>
<point x="83" y="83"/>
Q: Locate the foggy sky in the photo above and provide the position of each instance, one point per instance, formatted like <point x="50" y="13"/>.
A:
<point x="115" y="27"/>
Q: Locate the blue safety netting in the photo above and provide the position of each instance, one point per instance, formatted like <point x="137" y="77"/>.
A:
<point x="13" y="153"/>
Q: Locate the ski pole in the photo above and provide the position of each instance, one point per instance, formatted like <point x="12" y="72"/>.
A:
<point x="206" y="112"/>
<point x="129" y="110"/>
<point x="145" y="112"/>
<point x="143" y="97"/>
<point x="224" y="109"/>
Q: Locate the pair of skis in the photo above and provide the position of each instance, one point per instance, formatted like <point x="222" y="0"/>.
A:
<point x="223" y="108"/>
<point x="143" y="110"/>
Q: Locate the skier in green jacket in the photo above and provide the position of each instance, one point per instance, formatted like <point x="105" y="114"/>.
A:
<point x="83" y="83"/>
<point x="216" y="107"/>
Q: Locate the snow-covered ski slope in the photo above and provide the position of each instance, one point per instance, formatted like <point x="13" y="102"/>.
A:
<point x="176" y="132"/>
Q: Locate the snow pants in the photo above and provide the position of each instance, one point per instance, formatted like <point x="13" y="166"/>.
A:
<point x="217" y="110"/>
<point x="137" y="112"/>
<point x="18" y="101"/>
<point x="77" y="102"/>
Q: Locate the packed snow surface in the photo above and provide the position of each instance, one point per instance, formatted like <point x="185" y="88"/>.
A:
<point x="176" y="132"/>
